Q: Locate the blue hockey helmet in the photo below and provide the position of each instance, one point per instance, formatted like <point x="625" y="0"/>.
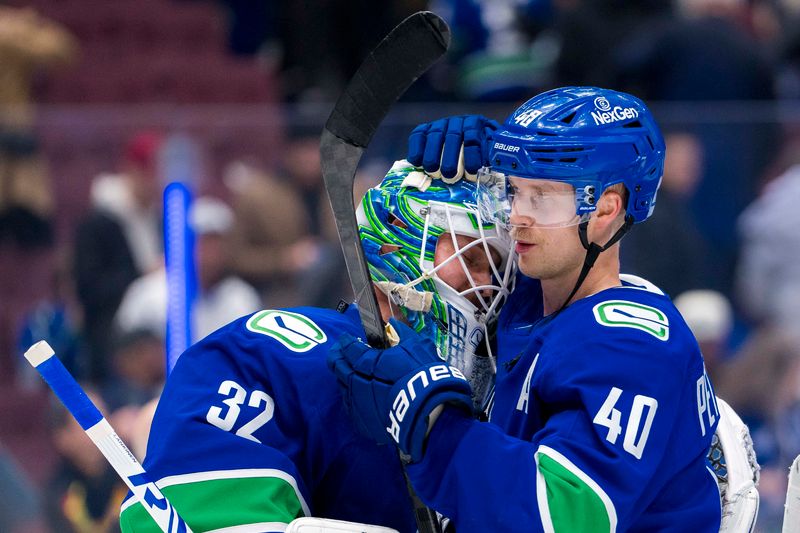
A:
<point x="401" y="223"/>
<point x="588" y="137"/>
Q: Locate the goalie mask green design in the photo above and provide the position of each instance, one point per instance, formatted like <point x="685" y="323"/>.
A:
<point x="401" y="223"/>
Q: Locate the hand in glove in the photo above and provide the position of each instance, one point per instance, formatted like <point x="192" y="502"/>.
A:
<point x="390" y="393"/>
<point x="448" y="147"/>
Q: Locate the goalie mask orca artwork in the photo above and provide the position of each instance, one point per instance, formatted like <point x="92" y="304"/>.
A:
<point x="445" y="269"/>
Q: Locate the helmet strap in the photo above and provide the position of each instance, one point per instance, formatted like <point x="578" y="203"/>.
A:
<point x="406" y="296"/>
<point x="593" y="251"/>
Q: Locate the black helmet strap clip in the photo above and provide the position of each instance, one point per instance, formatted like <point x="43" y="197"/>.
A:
<point x="593" y="251"/>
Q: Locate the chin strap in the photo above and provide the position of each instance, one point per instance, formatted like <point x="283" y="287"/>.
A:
<point x="593" y="252"/>
<point x="406" y="296"/>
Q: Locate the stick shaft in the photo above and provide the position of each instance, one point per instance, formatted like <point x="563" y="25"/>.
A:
<point x="42" y="357"/>
<point x="398" y="60"/>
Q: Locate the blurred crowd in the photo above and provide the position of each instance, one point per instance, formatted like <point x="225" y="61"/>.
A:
<point x="86" y="242"/>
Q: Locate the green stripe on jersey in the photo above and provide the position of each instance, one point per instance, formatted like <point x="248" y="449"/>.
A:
<point x="211" y="504"/>
<point x="569" y="500"/>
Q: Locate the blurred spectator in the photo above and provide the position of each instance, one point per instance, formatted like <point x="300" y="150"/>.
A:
<point x="319" y="268"/>
<point x="788" y="84"/>
<point x="339" y="33"/>
<point x="301" y="168"/>
<point x="499" y="49"/>
<point x="768" y="277"/>
<point x="761" y="383"/>
<point x="285" y="239"/>
<point x="707" y="54"/>
<point x="138" y="431"/>
<point x="271" y="233"/>
<point x="222" y="297"/>
<point x="119" y="240"/>
<point x="28" y="43"/>
<point x="704" y="52"/>
<point x="138" y="365"/>
<point x="709" y="315"/>
<point x="668" y="250"/>
<point x="316" y="62"/>
<point x="55" y="320"/>
<point x="84" y="494"/>
<point x="20" y="509"/>
<point x="591" y="35"/>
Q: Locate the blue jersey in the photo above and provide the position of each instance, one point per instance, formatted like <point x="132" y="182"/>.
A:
<point x="251" y="431"/>
<point x="602" y="419"/>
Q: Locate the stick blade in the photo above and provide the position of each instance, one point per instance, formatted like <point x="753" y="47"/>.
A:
<point x="402" y="57"/>
<point x="398" y="60"/>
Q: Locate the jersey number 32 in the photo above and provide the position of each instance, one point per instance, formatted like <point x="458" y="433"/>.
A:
<point x="235" y="395"/>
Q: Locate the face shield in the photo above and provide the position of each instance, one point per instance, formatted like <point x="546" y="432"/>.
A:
<point x="543" y="203"/>
<point x="466" y="274"/>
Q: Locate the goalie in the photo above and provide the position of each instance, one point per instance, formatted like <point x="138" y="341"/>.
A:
<point x="250" y="431"/>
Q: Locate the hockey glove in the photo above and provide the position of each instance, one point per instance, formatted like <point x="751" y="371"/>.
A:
<point x="452" y="145"/>
<point x="390" y="393"/>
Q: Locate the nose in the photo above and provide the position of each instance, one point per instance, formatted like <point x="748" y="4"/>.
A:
<point x="481" y="279"/>
<point x="519" y="219"/>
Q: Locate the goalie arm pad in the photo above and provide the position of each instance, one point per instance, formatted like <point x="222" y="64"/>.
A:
<point x="734" y="462"/>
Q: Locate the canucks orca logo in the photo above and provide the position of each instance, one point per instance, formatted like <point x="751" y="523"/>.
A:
<point x="295" y="331"/>
<point x="624" y="314"/>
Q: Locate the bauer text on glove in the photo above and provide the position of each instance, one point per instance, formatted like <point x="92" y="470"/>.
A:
<point x="390" y="393"/>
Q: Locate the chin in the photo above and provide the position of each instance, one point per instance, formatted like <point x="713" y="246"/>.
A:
<point x="529" y="268"/>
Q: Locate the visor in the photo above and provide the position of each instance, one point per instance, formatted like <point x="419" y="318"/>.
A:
<point x="543" y="203"/>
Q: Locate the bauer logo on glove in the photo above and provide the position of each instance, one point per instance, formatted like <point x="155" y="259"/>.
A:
<point x="421" y="380"/>
<point x="392" y="392"/>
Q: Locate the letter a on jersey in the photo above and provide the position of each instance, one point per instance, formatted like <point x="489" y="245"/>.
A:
<point x="293" y="330"/>
<point x="624" y="314"/>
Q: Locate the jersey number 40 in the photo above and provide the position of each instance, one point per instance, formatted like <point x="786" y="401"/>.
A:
<point x="610" y="417"/>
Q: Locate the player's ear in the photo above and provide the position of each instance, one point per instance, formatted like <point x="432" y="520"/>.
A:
<point x="610" y="205"/>
<point x="609" y="213"/>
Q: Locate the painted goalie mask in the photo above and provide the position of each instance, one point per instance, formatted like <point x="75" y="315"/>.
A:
<point x="445" y="270"/>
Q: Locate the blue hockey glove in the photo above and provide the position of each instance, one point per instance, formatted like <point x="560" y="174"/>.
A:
<point x="390" y="393"/>
<point x="437" y="146"/>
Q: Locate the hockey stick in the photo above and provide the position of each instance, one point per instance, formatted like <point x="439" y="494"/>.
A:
<point x="41" y="357"/>
<point x="402" y="57"/>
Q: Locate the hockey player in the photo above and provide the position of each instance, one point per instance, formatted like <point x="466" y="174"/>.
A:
<point x="603" y="413"/>
<point x="251" y="431"/>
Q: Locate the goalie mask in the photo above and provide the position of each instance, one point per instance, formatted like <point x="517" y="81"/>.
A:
<point x="445" y="270"/>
